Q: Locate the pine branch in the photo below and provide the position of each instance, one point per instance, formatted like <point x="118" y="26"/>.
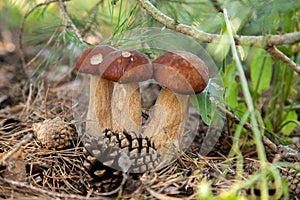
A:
<point x="257" y="41"/>
<point x="95" y="10"/>
<point x="70" y="22"/>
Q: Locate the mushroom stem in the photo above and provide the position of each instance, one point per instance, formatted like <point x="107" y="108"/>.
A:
<point x="126" y="107"/>
<point x="126" y="68"/>
<point x="99" y="112"/>
<point x="99" y="115"/>
<point x="168" y="119"/>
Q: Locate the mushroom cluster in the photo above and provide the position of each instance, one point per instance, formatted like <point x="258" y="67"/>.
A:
<point x="114" y="81"/>
<point x="115" y="103"/>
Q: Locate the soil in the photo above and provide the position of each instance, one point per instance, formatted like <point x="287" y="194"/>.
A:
<point x="31" y="169"/>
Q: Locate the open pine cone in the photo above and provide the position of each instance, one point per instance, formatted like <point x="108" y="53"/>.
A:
<point x="102" y="178"/>
<point x="108" y="155"/>
<point x="123" y="151"/>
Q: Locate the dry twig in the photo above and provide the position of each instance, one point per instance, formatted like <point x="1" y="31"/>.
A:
<point x="6" y="156"/>
<point x="284" y="151"/>
<point x="281" y="56"/>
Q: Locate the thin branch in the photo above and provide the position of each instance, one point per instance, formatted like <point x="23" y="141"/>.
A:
<point x="281" y="56"/>
<point x="66" y="15"/>
<point x="95" y="12"/>
<point x="285" y="152"/>
<point x="234" y="118"/>
<point x="257" y="41"/>
<point x="21" y="48"/>
<point x="248" y="126"/>
<point x="37" y="55"/>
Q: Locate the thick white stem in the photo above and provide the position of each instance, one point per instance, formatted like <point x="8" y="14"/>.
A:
<point x="126" y="107"/>
<point x="99" y="112"/>
<point x="168" y="119"/>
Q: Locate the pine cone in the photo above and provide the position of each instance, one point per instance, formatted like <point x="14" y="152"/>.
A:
<point x="108" y="155"/>
<point x="124" y="151"/>
<point x="103" y="178"/>
<point x="54" y="133"/>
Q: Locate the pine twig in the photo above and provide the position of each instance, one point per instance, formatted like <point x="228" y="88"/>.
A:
<point x="281" y="56"/>
<point x="95" y="12"/>
<point x="257" y="41"/>
<point x="247" y="126"/>
<point x="66" y="15"/>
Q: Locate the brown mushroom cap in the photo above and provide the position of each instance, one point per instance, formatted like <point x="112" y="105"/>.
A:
<point x="126" y="66"/>
<point x="91" y="58"/>
<point x="181" y="71"/>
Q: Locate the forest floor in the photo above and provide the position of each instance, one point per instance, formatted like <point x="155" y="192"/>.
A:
<point x="31" y="171"/>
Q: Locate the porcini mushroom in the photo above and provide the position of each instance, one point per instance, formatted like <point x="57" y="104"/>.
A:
<point x="126" y="68"/>
<point x="99" y="111"/>
<point x="180" y="74"/>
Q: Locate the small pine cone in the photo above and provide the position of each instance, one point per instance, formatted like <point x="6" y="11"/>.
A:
<point x="54" y="133"/>
<point x="293" y="178"/>
<point x="124" y="151"/>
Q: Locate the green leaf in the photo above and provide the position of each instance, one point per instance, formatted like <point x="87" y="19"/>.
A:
<point x="231" y="95"/>
<point x="261" y="71"/>
<point x="203" y="106"/>
<point x="240" y="110"/>
<point x="289" y="127"/>
<point x="206" y="102"/>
